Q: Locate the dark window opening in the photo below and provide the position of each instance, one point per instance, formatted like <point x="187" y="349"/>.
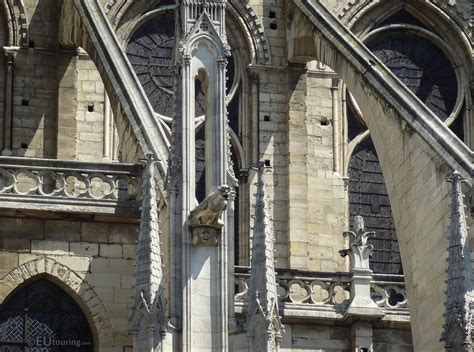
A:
<point x="421" y="66"/>
<point x="200" y="164"/>
<point x="457" y="126"/>
<point x="401" y="17"/>
<point x="236" y="168"/>
<point x="42" y="313"/>
<point x="368" y="197"/>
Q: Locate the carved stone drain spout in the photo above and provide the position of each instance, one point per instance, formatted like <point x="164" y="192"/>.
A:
<point x="205" y="220"/>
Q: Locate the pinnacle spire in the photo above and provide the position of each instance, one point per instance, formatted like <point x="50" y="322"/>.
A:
<point x="149" y="311"/>
<point x="457" y="327"/>
<point x="264" y="328"/>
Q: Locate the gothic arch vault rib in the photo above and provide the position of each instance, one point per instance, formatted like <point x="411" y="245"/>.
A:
<point x="416" y="151"/>
<point x="69" y="279"/>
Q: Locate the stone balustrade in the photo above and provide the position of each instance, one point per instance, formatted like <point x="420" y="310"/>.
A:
<point x="59" y="185"/>
<point x="324" y="294"/>
<point x="389" y="292"/>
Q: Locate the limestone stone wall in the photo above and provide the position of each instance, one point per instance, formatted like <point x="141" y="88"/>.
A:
<point x="273" y="149"/>
<point x="90" y="112"/>
<point x="35" y="84"/>
<point x="100" y="253"/>
<point x="58" y="95"/>
<point x="300" y="337"/>
<point x="316" y="194"/>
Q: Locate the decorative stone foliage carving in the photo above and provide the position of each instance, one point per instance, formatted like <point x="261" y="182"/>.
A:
<point x="359" y="250"/>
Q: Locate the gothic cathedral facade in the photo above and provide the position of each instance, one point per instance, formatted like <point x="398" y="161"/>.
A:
<point x="236" y="175"/>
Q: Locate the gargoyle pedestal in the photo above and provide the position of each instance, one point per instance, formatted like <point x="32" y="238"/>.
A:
<point x="359" y="252"/>
<point x="205" y="220"/>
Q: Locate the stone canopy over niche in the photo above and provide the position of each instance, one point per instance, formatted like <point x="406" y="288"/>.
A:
<point x="150" y="51"/>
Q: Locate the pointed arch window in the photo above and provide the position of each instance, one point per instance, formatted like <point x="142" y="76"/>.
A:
<point x="40" y="316"/>
<point x="418" y="59"/>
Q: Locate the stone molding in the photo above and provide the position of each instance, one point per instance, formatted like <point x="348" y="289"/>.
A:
<point x="17" y="22"/>
<point x="355" y="9"/>
<point x="255" y="31"/>
<point x="45" y="265"/>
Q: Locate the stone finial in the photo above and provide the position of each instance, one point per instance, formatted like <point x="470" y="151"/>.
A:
<point x="264" y="328"/>
<point x="457" y="328"/>
<point x="359" y="250"/>
<point x="149" y="321"/>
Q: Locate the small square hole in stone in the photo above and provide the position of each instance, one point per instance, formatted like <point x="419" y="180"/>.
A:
<point x="267" y="162"/>
<point x="31" y="44"/>
<point x="90" y="107"/>
<point x="273" y="25"/>
<point x="266" y="118"/>
<point x="325" y="122"/>
<point x="24" y="145"/>
<point x="272" y="14"/>
<point x="25" y="102"/>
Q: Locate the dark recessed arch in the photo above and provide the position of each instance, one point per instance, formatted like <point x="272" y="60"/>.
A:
<point x="41" y="314"/>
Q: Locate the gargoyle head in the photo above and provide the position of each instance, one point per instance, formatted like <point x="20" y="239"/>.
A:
<point x="225" y="191"/>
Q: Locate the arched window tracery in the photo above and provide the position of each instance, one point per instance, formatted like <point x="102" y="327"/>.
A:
<point x="150" y="51"/>
<point x="412" y="53"/>
<point x="40" y="316"/>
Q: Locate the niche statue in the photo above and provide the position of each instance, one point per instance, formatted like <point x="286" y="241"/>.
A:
<point x="205" y="221"/>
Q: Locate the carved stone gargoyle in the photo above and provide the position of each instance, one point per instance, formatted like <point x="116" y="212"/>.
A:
<point x="205" y="220"/>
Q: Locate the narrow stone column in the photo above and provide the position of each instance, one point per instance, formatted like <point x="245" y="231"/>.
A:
<point x="336" y="132"/>
<point x="10" y="53"/>
<point x="106" y="146"/>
